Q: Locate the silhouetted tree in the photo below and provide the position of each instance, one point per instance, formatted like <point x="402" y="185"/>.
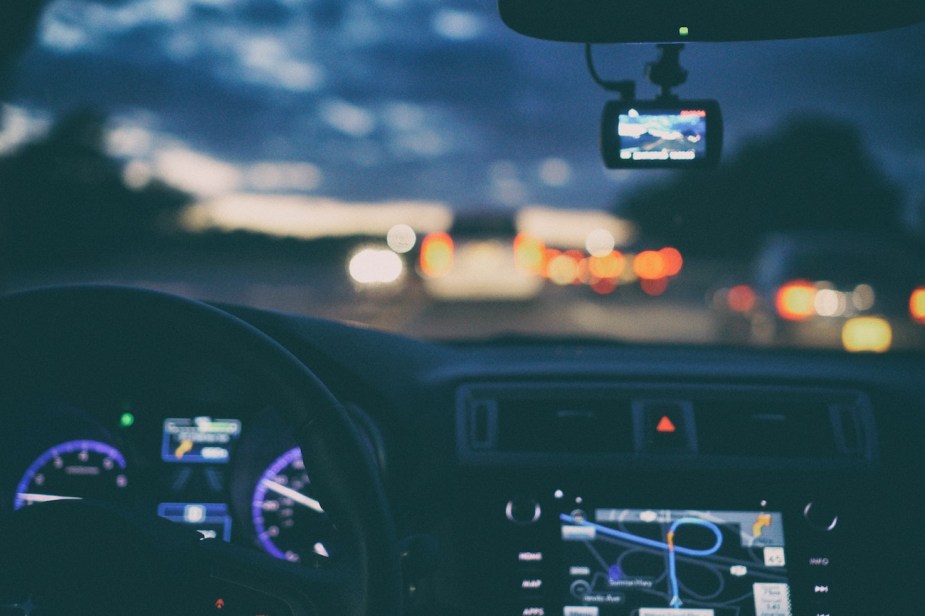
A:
<point x="813" y="174"/>
<point x="64" y="200"/>
<point x="920" y="220"/>
<point x="18" y="19"/>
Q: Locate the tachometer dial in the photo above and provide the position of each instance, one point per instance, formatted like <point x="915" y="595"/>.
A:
<point x="289" y="521"/>
<point x="73" y="470"/>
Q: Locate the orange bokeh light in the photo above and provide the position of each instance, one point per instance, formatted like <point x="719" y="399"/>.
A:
<point x="529" y="253"/>
<point x="795" y="300"/>
<point x="610" y="265"/>
<point x="584" y="272"/>
<point x="649" y="265"/>
<point x="581" y="265"/>
<point x="549" y="256"/>
<point x="917" y="305"/>
<point x="741" y="298"/>
<point x="672" y="260"/>
<point x="653" y="286"/>
<point x="604" y="286"/>
<point x="436" y="255"/>
<point x="563" y="270"/>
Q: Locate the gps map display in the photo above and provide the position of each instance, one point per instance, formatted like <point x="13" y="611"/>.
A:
<point x="645" y="562"/>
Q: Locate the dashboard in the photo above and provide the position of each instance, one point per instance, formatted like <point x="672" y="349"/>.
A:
<point x="525" y="477"/>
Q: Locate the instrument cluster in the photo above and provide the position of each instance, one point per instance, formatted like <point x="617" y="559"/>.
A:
<point x="233" y="476"/>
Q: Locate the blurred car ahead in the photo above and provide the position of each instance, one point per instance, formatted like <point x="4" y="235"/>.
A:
<point x="482" y="257"/>
<point x="857" y="291"/>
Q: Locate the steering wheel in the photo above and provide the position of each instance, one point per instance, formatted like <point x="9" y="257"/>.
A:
<point x="78" y="557"/>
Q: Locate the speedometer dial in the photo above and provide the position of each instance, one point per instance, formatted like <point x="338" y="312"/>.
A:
<point x="73" y="470"/>
<point x="289" y="521"/>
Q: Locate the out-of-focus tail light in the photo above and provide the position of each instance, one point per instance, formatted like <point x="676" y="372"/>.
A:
<point x="917" y="305"/>
<point x="672" y="260"/>
<point x="564" y="267"/>
<point x="795" y="300"/>
<point x="607" y="266"/>
<point x="653" y="286"/>
<point x="741" y="298"/>
<point x="529" y="254"/>
<point x="649" y="265"/>
<point x="436" y="255"/>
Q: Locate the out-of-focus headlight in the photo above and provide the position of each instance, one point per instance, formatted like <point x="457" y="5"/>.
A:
<point x="870" y="334"/>
<point x="375" y="266"/>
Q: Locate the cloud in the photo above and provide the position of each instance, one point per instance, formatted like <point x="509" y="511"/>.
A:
<point x="19" y="125"/>
<point x="197" y="173"/>
<point x="457" y="25"/>
<point x="347" y="118"/>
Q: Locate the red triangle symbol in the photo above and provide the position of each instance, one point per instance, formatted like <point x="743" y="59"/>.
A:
<point x="665" y="425"/>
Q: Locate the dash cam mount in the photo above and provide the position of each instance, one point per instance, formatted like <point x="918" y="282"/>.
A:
<point x="666" y="132"/>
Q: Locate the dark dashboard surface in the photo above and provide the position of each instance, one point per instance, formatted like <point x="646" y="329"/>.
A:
<point x="525" y="476"/>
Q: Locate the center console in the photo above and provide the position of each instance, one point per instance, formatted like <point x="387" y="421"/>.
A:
<point x="576" y="554"/>
<point x="661" y="524"/>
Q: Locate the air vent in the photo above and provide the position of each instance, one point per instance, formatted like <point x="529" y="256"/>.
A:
<point x="483" y="424"/>
<point x="565" y="423"/>
<point x="783" y="425"/>
<point x="541" y="419"/>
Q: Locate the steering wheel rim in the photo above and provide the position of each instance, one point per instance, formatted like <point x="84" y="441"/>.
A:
<point x="365" y="578"/>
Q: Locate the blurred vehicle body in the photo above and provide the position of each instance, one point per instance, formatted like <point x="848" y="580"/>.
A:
<point x="827" y="290"/>
<point x="483" y="257"/>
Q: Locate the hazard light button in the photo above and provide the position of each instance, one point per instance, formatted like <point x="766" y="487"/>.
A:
<point x="665" y="426"/>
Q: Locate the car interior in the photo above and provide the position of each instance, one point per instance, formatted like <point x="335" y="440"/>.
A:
<point x="170" y="452"/>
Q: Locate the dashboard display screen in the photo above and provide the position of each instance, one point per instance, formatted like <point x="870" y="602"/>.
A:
<point x="665" y="562"/>
<point x="212" y="520"/>
<point x="199" y="439"/>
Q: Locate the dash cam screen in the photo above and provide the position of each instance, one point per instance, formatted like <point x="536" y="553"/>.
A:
<point x="648" y="562"/>
<point x="658" y="134"/>
<point x="676" y="135"/>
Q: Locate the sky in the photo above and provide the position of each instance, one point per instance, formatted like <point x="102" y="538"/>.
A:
<point x="419" y="100"/>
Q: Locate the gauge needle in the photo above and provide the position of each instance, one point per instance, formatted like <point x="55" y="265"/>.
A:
<point x="44" y="498"/>
<point x="298" y="497"/>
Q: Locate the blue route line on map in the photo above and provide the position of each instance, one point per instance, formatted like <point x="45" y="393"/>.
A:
<point x="667" y="545"/>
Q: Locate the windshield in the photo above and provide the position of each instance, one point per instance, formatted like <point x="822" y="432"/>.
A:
<point x="414" y="165"/>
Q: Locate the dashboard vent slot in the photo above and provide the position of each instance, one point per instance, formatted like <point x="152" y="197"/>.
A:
<point x="483" y="424"/>
<point x="554" y="423"/>
<point x="851" y="432"/>
<point x="780" y="425"/>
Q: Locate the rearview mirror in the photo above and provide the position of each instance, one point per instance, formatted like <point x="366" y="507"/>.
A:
<point x="645" y="21"/>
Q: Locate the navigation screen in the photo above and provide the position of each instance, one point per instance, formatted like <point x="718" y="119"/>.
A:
<point x="676" y="135"/>
<point x="647" y="562"/>
<point x="199" y="439"/>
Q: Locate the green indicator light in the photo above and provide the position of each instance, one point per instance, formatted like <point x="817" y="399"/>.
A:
<point x="126" y="420"/>
<point x="684" y="31"/>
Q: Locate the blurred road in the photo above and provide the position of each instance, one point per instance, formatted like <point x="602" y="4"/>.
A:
<point x="323" y="288"/>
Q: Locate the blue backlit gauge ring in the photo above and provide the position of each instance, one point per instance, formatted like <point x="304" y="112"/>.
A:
<point x="74" y="470"/>
<point x="290" y="523"/>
